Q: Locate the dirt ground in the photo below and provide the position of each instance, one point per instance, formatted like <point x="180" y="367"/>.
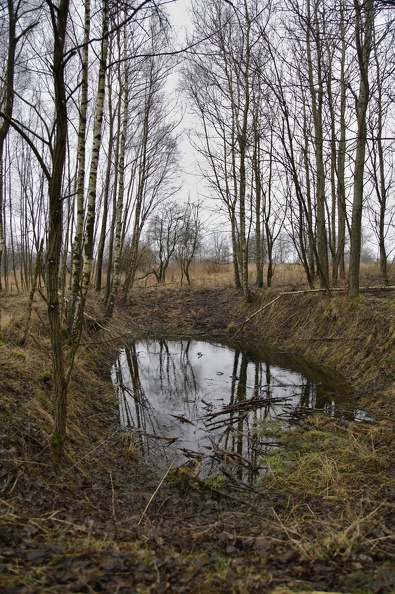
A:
<point x="103" y="521"/>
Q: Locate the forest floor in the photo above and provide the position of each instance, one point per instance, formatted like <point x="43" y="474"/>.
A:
<point x="103" y="520"/>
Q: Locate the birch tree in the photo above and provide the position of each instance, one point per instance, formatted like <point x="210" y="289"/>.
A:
<point x="119" y="211"/>
<point x="76" y="263"/>
<point x="88" y="244"/>
<point x="153" y="147"/>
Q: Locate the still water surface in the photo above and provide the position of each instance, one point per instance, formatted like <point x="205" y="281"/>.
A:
<point x="207" y="402"/>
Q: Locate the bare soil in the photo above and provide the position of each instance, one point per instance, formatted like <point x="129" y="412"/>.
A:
<point x="102" y="521"/>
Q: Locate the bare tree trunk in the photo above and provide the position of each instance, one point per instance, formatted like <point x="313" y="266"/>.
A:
<point x="141" y="184"/>
<point x="59" y="16"/>
<point x="75" y="309"/>
<point x="258" y="199"/>
<point x="97" y="142"/>
<point x="309" y="201"/>
<point x="106" y="197"/>
<point x="242" y="132"/>
<point x="317" y="94"/>
<point x="341" y="159"/>
<point x="8" y="100"/>
<point x="121" y="190"/>
<point x="379" y="174"/>
<point x="364" y="19"/>
<point x="37" y="272"/>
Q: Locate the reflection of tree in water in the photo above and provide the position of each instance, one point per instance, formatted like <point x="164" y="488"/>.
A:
<point x="164" y="388"/>
<point x="152" y="382"/>
<point x="135" y="408"/>
<point x="170" y="373"/>
<point x="241" y="429"/>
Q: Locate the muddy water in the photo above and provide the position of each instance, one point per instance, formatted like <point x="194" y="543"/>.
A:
<point x="215" y="407"/>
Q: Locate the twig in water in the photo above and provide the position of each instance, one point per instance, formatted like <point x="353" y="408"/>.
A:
<point x="155" y="492"/>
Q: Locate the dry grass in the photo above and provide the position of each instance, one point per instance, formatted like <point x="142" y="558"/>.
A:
<point x="214" y="275"/>
<point x="334" y="537"/>
<point x="335" y="475"/>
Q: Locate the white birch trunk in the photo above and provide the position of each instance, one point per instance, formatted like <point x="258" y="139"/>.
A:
<point x="75" y="310"/>
<point x="121" y="191"/>
<point x="97" y="142"/>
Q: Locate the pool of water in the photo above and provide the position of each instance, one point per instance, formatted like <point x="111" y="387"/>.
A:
<point x="212" y="405"/>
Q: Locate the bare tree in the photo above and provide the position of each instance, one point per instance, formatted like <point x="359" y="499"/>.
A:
<point x="380" y="144"/>
<point x="153" y="151"/>
<point x="119" y="210"/>
<point x="189" y="238"/>
<point x="364" y="21"/>
<point x="59" y="15"/>
<point x="81" y="167"/>
<point x="18" y="29"/>
<point x="221" y="82"/>
<point x="163" y="234"/>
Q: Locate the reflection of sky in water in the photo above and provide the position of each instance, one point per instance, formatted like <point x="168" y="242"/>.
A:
<point x="173" y="388"/>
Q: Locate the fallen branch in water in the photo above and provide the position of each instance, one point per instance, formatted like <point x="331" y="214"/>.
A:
<point x="253" y="402"/>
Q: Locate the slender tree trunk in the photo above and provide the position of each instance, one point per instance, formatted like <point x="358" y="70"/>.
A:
<point x="37" y="272"/>
<point x="341" y="162"/>
<point x="258" y="204"/>
<point x="2" y="235"/>
<point x="317" y="94"/>
<point x="59" y="16"/>
<point x="8" y="101"/>
<point x="97" y="142"/>
<point x="121" y="191"/>
<point x="309" y="201"/>
<point x="364" y="18"/>
<point x="242" y="142"/>
<point x="110" y="243"/>
<point x="379" y="176"/>
<point x="268" y="209"/>
<point x="75" y="309"/>
<point x="141" y="186"/>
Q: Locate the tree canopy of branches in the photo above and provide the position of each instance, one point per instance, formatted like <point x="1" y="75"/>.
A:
<point x="295" y="128"/>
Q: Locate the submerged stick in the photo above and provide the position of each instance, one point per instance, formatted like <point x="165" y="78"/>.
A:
<point x="252" y="403"/>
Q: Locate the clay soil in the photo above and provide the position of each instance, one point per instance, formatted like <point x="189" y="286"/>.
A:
<point x="103" y="520"/>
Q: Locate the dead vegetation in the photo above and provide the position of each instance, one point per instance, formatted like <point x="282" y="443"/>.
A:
<point x="344" y="469"/>
<point x="321" y="520"/>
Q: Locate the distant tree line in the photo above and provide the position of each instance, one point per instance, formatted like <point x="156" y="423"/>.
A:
<point x="295" y="111"/>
